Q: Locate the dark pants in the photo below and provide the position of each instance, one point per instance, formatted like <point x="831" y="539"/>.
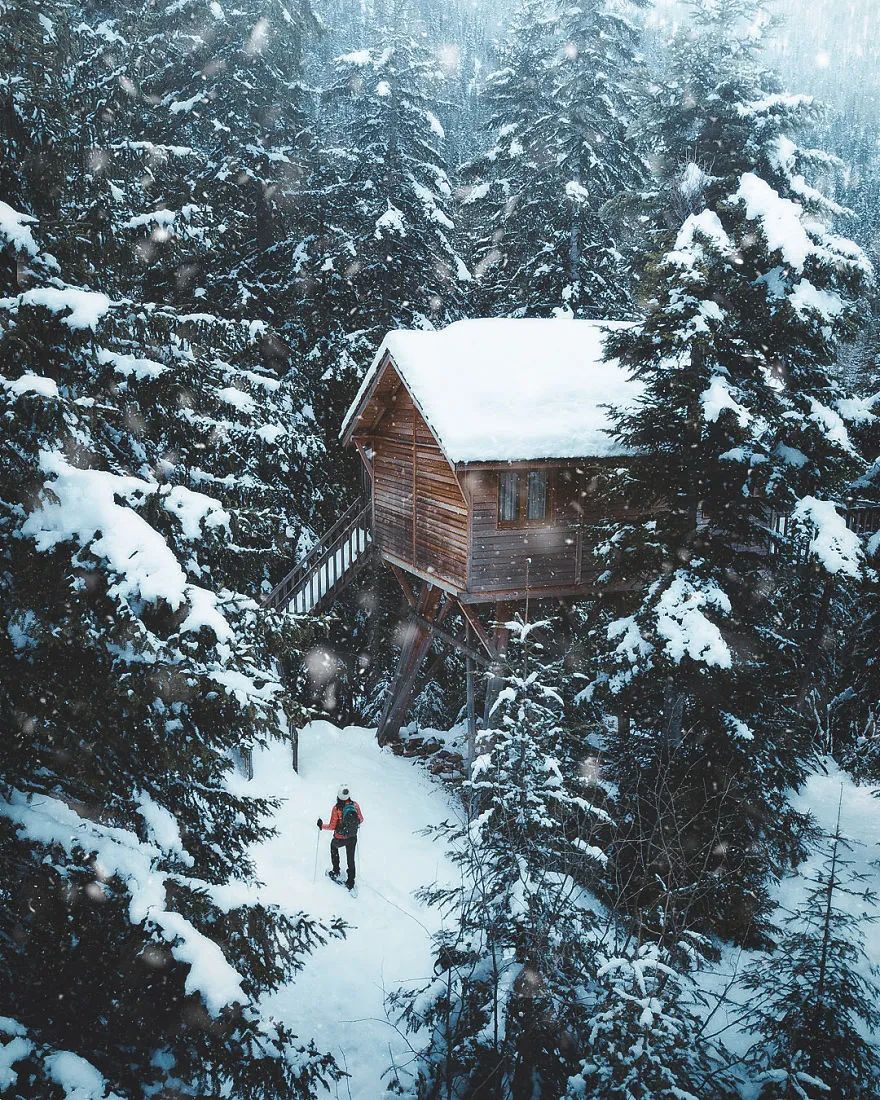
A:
<point x="349" y="845"/>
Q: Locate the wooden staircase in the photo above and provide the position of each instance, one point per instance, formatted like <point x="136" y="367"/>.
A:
<point x="329" y="566"/>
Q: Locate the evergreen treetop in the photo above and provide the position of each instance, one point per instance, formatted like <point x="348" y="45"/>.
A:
<point x="560" y="108"/>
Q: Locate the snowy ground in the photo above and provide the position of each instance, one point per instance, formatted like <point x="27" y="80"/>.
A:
<point x="339" y="998"/>
<point x="859" y="822"/>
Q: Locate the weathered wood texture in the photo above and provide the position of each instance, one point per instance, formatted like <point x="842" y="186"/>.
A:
<point x="419" y="513"/>
<point x="554" y="556"/>
<point x="416" y="643"/>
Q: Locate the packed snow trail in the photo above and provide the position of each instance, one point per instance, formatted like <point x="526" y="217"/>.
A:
<point x="339" y="998"/>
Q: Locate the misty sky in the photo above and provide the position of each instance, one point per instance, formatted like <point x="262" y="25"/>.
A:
<point x="827" y="47"/>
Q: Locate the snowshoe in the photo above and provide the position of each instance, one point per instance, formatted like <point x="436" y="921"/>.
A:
<point x="353" y="890"/>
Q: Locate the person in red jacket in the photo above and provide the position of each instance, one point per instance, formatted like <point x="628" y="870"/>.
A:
<point x="345" y="819"/>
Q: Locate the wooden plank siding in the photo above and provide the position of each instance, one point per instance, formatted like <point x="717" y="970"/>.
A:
<point x="419" y="513"/>
<point x="555" y="556"/>
<point x="505" y="559"/>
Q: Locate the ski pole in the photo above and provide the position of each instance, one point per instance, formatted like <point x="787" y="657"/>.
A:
<point x="317" y="848"/>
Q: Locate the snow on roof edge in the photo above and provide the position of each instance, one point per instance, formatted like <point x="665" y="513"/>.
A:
<point x="546" y="382"/>
<point x="367" y="381"/>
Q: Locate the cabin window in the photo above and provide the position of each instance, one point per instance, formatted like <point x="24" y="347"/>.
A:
<point x="536" y="496"/>
<point x="523" y="497"/>
<point x="508" y="509"/>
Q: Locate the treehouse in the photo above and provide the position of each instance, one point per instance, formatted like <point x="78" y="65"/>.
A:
<point x="482" y="443"/>
<point x="485" y="444"/>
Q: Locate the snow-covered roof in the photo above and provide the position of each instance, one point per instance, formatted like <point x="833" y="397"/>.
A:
<point x="503" y="389"/>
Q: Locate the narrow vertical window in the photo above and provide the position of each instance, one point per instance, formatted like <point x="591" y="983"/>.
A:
<point x="508" y="498"/>
<point x="536" y="507"/>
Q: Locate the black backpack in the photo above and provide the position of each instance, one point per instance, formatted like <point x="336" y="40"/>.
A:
<point x="348" y="821"/>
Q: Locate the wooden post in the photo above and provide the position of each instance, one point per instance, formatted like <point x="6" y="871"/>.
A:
<point x="471" y="714"/>
<point x="470" y="801"/>
<point x="415" y="650"/>
<point x="244" y="758"/>
<point x="294" y="746"/>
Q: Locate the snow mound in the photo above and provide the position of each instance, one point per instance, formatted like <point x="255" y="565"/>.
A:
<point x="81" y="309"/>
<point x="15" y="229"/>
<point x="836" y="547"/>
<point x="130" y="366"/>
<point x="33" y="383"/>
<point x="85" y="510"/>
<point x="779" y="217"/>
<point x="119" y="853"/>
<point x="78" y="1078"/>
<point x="194" y="509"/>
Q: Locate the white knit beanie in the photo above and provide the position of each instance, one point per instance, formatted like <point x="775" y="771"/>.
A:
<point x="343" y="792"/>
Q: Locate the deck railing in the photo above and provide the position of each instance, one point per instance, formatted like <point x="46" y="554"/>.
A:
<point x="324" y="569"/>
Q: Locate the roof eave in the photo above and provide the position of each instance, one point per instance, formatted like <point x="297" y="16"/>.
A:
<point x="383" y="360"/>
<point x="364" y="394"/>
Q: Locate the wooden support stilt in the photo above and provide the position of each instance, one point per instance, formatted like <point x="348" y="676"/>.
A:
<point x="471" y="731"/>
<point x="416" y="644"/>
<point x="472" y="619"/>
<point x="404" y="583"/>
<point x="457" y="643"/>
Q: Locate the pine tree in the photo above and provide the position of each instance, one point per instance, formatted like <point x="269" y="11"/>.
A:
<point x="715" y="57"/>
<point x="132" y="676"/>
<point x="384" y="254"/>
<point x="377" y="251"/>
<point x="143" y="219"/>
<point x="504" y="1012"/>
<point x="559" y="111"/>
<point x="597" y="152"/>
<point x="510" y="193"/>
<point x="645" y="1038"/>
<point x="223" y="82"/>
<point x="741" y="417"/>
<point x="138" y="482"/>
<point x="815" y="1000"/>
<point x="852" y="717"/>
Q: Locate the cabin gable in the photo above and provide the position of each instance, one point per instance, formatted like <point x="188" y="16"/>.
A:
<point x="420" y="517"/>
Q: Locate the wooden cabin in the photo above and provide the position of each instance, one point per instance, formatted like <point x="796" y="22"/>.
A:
<point x="486" y="444"/>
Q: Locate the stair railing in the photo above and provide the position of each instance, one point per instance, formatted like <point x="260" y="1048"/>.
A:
<point x="320" y="571"/>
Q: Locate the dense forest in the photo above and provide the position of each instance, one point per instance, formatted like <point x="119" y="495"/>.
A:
<point x="211" y="212"/>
